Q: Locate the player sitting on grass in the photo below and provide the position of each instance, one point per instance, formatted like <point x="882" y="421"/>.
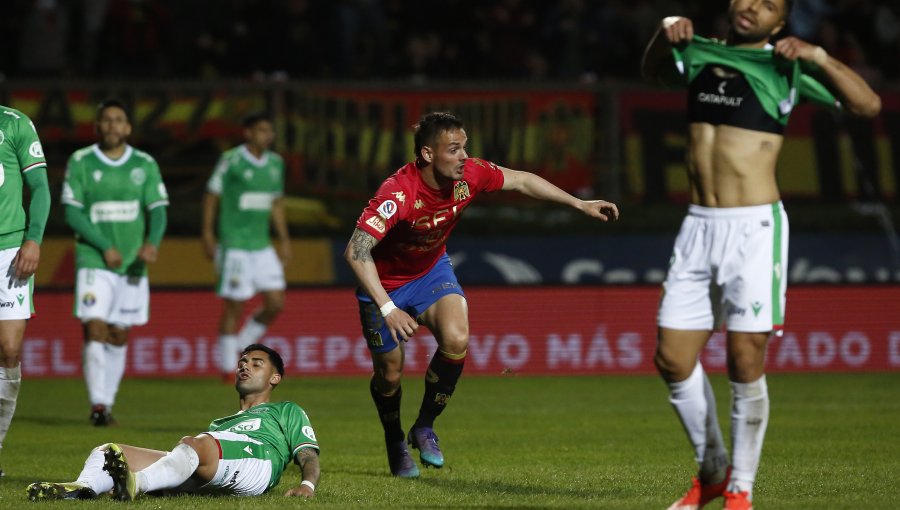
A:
<point x="242" y="455"/>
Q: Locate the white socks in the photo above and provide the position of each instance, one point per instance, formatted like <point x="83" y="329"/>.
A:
<point x="94" y="368"/>
<point x="115" y="368"/>
<point x="228" y="353"/>
<point x="749" y="418"/>
<point x="103" y="366"/>
<point x="93" y="475"/>
<point x="695" y="405"/>
<point x="170" y="471"/>
<point x="251" y="332"/>
<point x="10" y="381"/>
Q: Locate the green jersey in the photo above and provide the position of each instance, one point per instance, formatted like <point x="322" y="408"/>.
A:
<point x="778" y="83"/>
<point x="282" y="427"/>
<point x="246" y="186"/>
<point x="20" y="152"/>
<point x="114" y="194"/>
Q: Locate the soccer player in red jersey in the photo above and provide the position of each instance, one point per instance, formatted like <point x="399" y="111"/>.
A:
<point x="399" y="256"/>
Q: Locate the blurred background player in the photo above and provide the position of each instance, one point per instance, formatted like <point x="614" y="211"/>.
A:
<point x="730" y="258"/>
<point x="115" y="201"/>
<point x="243" y="454"/>
<point x="399" y="256"/>
<point x="246" y="191"/>
<point x="21" y="162"/>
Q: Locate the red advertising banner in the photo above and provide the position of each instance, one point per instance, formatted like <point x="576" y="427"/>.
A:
<point x="534" y="330"/>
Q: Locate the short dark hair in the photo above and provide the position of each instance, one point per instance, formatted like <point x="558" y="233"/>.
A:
<point x="112" y="103"/>
<point x="255" y="118"/>
<point x="274" y="357"/>
<point x="431" y="125"/>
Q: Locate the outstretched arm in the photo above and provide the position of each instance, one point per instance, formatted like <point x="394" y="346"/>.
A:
<point x="308" y="460"/>
<point x="535" y="186"/>
<point x="856" y="96"/>
<point x="359" y="256"/>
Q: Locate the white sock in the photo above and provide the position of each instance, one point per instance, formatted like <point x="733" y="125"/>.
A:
<point x="691" y="400"/>
<point x="228" y="353"/>
<point x="252" y="331"/>
<point x="749" y="418"/>
<point x="115" y="369"/>
<point x="93" y="474"/>
<point x="170" y="471"/>
<point x="10" y="381"/>
<point x="94" y="368"/>
<point x="714" y="466"/>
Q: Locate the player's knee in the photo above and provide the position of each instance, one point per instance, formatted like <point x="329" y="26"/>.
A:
<point x="387" y="381"/>
<point x="670" y="368"/>
<point x="10" y="355"/>
<point x="455" y="342"/>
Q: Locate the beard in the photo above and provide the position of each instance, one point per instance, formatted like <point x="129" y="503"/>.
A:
<point x="740" y="35"/>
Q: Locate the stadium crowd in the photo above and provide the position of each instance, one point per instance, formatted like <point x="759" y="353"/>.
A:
<point x="537" y="40"/>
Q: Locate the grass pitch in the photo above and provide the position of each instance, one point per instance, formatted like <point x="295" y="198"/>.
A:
<point x="510" y="442"/>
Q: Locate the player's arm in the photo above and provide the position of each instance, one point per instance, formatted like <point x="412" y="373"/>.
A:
<point x="29" y="255"/>
<point x="358" y="255"/>
<point x="158" y="219"/>
<point x="279" y="222"/>
<point x="857" y="97"/>
<point x="88" y="232"/>
<point x="308" y="460"/>
<point x="536" y="186"/>
<point x="210" y="208"/>
<point x="658" y="55"/>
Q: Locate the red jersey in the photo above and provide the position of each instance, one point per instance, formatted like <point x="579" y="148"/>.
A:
<point x="412" y="220"/>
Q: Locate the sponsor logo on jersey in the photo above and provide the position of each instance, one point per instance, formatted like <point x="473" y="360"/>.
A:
<point x="735" y="310"/>
<point x="309" y="432"/>
<point x="256" y="201"/>
<point x="248" y="450"/>
<point x="234" y="477"/>
<point x="387" y="209"/>
<point x="419" y="204"/>
<point x="721" y="99"/>
<point x="88" y="299"/>
<point x="377" y="223"/>
<point x="36" y="150"/>
<point x="138" y="176"/>
<point x="247" y="425"/>
<point x="98" y="174"/>
<point x="461" y="191"/>
<point x="115" y="211"/>
<point x="400" y="196"/>
<point x="7" y="304"/>
<point x="20" y="298"/>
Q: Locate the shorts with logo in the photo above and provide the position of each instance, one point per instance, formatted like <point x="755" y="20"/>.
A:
<point x="243" y="273"/>
<point x="729" y="266"/>
<point x="245" y="467"/>
<point x="113" y="298"/>
<point x="15" y="294"/>
<point x="413" y="298"/>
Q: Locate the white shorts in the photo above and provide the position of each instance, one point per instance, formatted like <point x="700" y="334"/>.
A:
<point x="15" y="294"/>
<point x="729" y="266"/>
<point x="243" y="273"/>
<point x="113" y="298"/>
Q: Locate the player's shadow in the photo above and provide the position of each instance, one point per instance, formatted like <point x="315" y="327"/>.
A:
<point x="51" y="420"/>
<point x="483" y="486"/>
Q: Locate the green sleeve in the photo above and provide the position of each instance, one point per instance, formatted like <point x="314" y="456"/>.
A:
<point x="88" y="232"/>
<point x="39" y="208"/>
<point x="813" y="90"/>
<point x="157" y="228"/>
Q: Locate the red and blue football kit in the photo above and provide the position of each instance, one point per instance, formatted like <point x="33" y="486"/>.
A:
<point x="412" y="220"/>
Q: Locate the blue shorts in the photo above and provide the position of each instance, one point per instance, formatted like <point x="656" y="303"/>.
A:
<point x="413" y="298"/>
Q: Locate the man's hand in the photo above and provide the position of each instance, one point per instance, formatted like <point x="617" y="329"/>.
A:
<point x="792" y="48"/>
<point x="112" y="258"/>
<point x="284" y="252"/>
<point x="401" y="325"/>
<point x="26" y="260"/>
<point x="677" y="29"/>
<point x="300" y="490"/>
<point x="600" y="209"/>
<point x="147" y="253"/>
<point x="209" y="245"/>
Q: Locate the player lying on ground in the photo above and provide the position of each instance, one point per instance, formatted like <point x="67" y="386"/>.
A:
<point x="241" y="455"/>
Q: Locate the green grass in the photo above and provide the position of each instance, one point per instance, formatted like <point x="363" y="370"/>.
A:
<point x="510" y="442"/>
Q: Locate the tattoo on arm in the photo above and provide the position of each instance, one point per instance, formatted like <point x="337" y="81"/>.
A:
<point x="361" y="244"/>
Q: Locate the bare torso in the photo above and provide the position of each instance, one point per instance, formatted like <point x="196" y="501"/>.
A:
<point x="732" y="167"/>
